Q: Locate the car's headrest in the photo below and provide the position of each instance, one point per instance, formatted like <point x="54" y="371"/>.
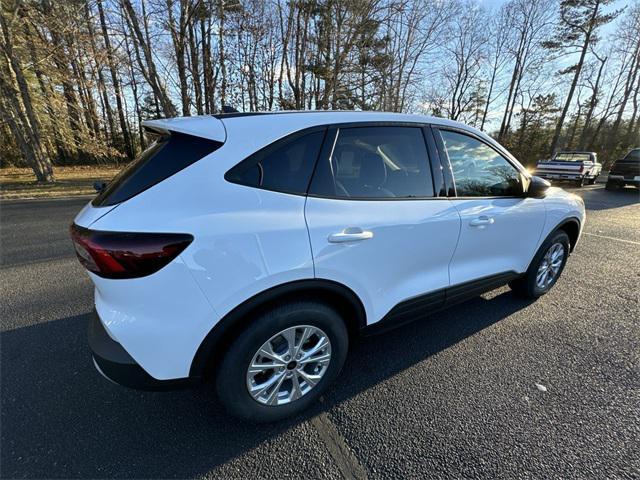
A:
<point x="373" y="173"/>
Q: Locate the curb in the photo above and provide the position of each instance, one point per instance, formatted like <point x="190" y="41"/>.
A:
<point x="45" y="199"/>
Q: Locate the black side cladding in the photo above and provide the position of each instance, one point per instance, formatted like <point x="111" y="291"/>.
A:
<point x="165" y="157"/>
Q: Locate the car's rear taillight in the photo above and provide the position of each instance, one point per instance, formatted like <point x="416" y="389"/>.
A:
<point x="125" y="254"/>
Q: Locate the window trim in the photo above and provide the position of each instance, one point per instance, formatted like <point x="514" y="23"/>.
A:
<point x="330" y="143"/>
<point x="445" y="166"/>
<point x="448" y="168"/>
<point x="274" y="145"/>
<point x="437" y="157"/>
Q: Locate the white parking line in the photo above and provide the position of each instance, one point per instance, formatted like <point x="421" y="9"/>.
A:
<point x="611" y="238"/>
<point x="344" y="458"/>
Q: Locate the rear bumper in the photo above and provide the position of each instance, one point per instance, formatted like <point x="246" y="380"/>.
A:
<point x="114" y="363"/>
<point x="560" y="176"/>
<point x="620" y="179"/>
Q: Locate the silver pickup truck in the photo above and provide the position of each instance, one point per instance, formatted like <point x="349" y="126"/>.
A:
<point x="578" y="167"/>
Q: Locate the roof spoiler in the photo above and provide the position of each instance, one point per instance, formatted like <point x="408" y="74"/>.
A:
<point x="203" y="126"/>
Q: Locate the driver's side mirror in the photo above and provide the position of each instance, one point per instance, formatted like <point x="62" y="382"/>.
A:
<point x="537" y="187"/>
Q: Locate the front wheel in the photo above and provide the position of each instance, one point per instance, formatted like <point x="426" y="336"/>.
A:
<point x="282" y="362"/>
<point x="545" y="268"/>
<point x="580" y="182"/>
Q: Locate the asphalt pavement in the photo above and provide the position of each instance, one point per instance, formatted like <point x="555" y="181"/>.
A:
<point x="496" y="387"/>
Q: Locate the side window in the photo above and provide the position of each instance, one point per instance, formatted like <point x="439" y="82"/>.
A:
<point x="478" y="170"/>
<point x="376" y="162"/>
<point x="284" y="166"/>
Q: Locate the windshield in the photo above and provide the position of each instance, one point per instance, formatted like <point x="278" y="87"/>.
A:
<point x="573" y="157"/>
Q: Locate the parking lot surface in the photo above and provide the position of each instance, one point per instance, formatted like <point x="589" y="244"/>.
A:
<point x="496" y="387"/>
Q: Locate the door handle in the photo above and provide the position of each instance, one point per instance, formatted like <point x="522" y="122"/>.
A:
<point x="350" y="234"/>
<point x="482" y="221"/>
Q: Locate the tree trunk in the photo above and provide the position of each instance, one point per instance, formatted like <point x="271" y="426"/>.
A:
<point x="134" y="89"/>
<point x="116" y="83"/>
<point x="47" y="94"/>
<point x="102" y="86"/>
<point x="574" y="128"/>
<point x="207" y="70"/>
<point x="634" y="68"/>
<point x="24" y="123"/>
<point x="592" y="105"/>
<point x="634" y="122"/>
<point x="178" y="36"/>
<point x="222" y="60"/>
<point x="149" y="70"/>
<point x="195" y="69"/>
<point x="489" y="93"/>
<point x="504" y="126"/>
<point x="88" y="105"/>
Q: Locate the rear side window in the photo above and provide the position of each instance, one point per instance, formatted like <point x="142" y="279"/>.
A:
<point x="284" y="166"/>
<point x="165" y="157"/>
<point x="374" y="163"/>
<point x="633" y="155"/>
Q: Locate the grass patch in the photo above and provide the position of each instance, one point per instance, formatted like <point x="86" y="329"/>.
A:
<point x="19" y="183"/>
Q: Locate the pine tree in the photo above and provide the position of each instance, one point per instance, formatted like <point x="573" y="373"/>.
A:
<point x="578" y="27"/>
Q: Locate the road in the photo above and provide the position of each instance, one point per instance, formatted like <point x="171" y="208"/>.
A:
<point x="453" y="395"/>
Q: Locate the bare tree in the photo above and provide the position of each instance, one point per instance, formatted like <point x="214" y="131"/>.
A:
<point x="115" y="81"/>
<point x="464" y="60"/>
<point x="629" y="29"/>
<point x="531" y="20"/>
<point x="499" y="34"/>
<point x="148" y="68"/>
<point x="18" y="110"/>
<point x="595" y="93"/>
<point x="578" y="29"/>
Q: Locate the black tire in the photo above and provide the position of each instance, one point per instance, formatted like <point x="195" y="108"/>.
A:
<point x="592" y="181"/>
<point x="526" y="286"/>
<point x="612" y="185"/>
<point x="231" y="381"/>
<point x="580" y="183"/>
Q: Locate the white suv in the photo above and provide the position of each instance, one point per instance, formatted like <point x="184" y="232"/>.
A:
<point x="252" y="248"/>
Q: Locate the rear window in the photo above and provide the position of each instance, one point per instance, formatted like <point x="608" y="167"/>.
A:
<point x="165" y="157"/>
<point x="573" y="157"/>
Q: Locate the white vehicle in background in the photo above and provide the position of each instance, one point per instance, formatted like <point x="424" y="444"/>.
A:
<point x="250" y="249"/>
<point x="573" y="166"/>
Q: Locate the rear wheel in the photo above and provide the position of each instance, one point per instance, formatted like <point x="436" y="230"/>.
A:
<point x="592" y="181"/>
<point x="580" y="182"/>
<point x="612" y="185"/>
<point x="545" y="268"/>
<point x="282" y="362"/>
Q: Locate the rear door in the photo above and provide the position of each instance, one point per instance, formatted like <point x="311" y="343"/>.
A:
<point x="500" y="227"/>
<point x="377" y="223"/>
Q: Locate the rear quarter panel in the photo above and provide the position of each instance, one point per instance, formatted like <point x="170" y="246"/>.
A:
<point x="245" y="241"/>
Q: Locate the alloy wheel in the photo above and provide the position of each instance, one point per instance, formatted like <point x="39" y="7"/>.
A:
<point x="549" y="268"/>
<point x="288" y="365"/>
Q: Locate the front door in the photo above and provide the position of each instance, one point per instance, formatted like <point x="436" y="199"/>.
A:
<point x="500" y="227"/>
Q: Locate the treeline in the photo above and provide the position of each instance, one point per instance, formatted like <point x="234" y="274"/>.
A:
<point x="77" y="77"/>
